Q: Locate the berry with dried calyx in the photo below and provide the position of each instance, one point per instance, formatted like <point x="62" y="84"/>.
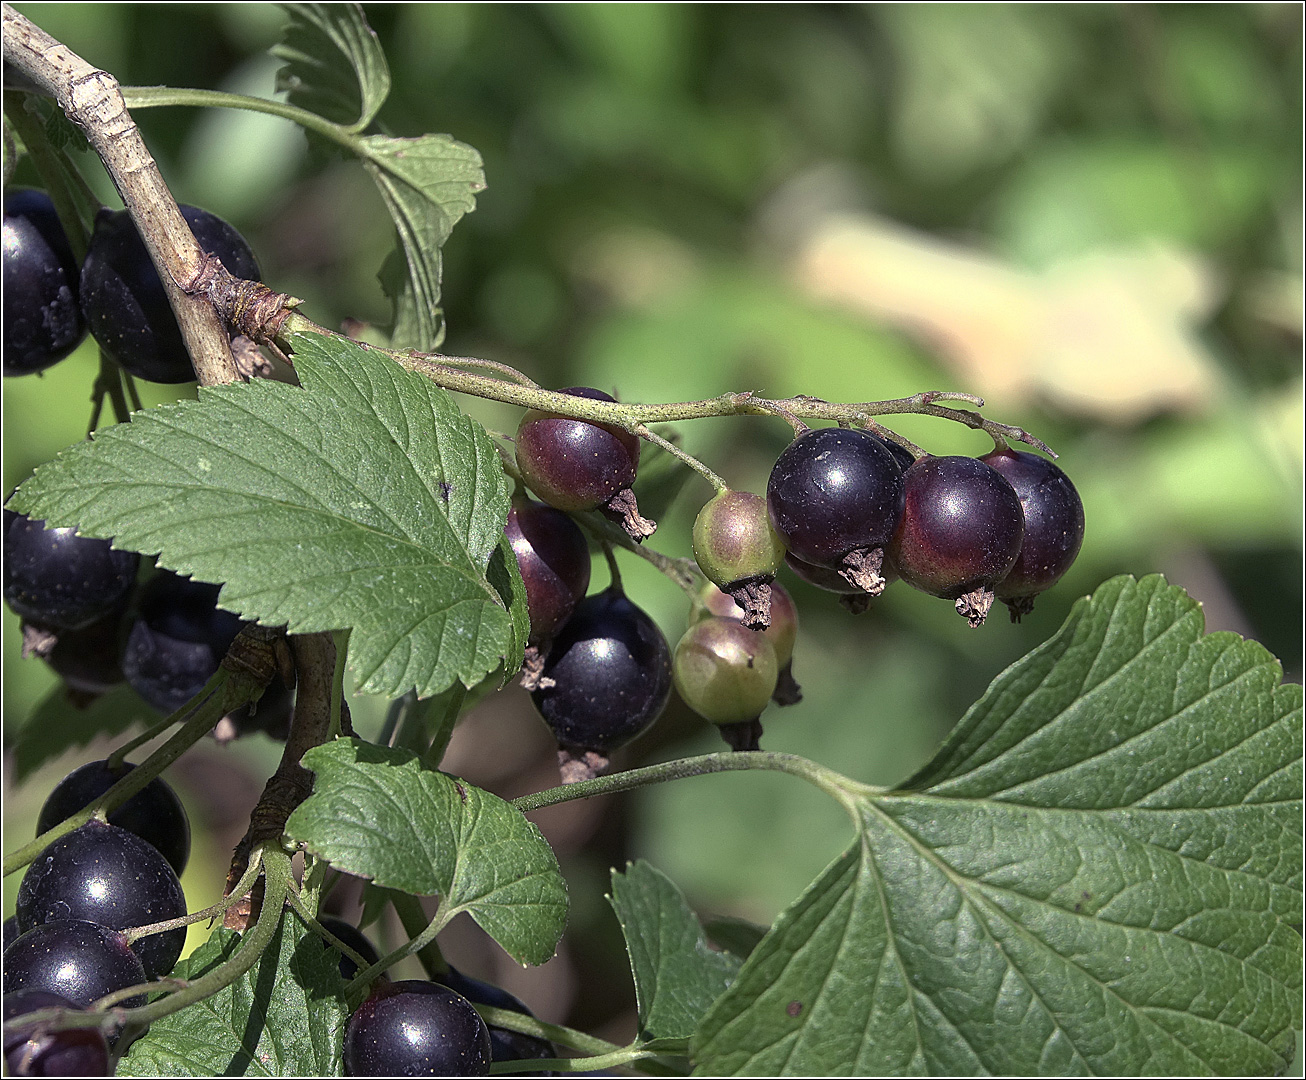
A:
<point x="726" y="673"/>
<point x="960" y="533"/>
<point x="835" y="496"/>
<point x="738" y="550"/>
<point x="782" y="634"/>
<point x="1054" y="526"/>
<point x="582" y="465"/>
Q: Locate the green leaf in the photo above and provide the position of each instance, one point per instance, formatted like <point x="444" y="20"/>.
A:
<point x="739" y="937"/>
<point x="428" y="183"/>
<point x="1098" y="873"/>
<point x="335" y="65"/>
<point x="380" y="814"/>
<point x="283" y="1017"/>
<point x="58" y="724"/>
<point x="677" y="976"/>
<point x="362" y="499"/>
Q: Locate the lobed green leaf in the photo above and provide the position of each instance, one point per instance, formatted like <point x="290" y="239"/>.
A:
<point x="1098" y="873"/>
<point x="60" y="723"/>
<point x="677" y="975"/>
<point x="362" y="499"/>
<point x="335" y="65"/>
<point x="379" y="814"/>
<point x="284" y="1017"/>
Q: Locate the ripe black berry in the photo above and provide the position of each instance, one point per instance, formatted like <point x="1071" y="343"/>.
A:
<point x="88" y="660"/>
<point x="611" y="672"/>
<point x="738" y="550"/>
<point x="31" y="1050"/>
<point x="554" y="560"/>
<point x="178" y="640"/>
<point x="60" y="580"/>
<point x="124" y="301"/>
<point x="1054" y="526"/>
<point x="355" y="939"/>
<point x="960" y="533"/>
<point x="579" y="465"/>
<point x="108" y="876"/>
<point x="416" y="1029"/>
<point x="154" y="813"/>
<point x="80" y="961"/>
<point x="43" y="322"/>
<point x="505" y="1045"/>
<point x="835" y="497"/>
<point x="10" y="931"/>
<point x="726" y="673"/>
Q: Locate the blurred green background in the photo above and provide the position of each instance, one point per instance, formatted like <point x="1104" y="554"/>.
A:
<point x="1091" y="215"/>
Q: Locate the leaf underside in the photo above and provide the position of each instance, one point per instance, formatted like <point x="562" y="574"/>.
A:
<point x="677" y="976"/>
<point x="335" y="65"/>
<point x="284" y="1017"/>
<point x="380" y="814"/>
<point x="362" y="499"/>
<point x="1098" y="873"/>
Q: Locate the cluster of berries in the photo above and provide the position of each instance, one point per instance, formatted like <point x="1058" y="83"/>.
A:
<point x="65" y="946"/>
<point x="846" y="510"/>
<point x="85" y="615"/>
<point x="50" y="301"/>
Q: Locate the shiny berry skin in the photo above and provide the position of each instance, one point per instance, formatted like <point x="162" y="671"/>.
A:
<point x="29" y="1051"/>
<point x="355" y="939"/>
<point x="734" y="542"/>
<point x="178" y="640"/>
<point x="60" y="580"/>
<point x="900" y="453"/>
<point x="724" y="671"/>
<point x="1054" y="526"/>
<point x="960" y="533"/>
<point x="505" y="1045"/>
<point x="108" y="876"/>
<point x="575" y="464"/>
<point x="80" y="961"/>
<point x="42" y="320"/>
<point x="611" y="669"/>
<point x="124" y="301"/>
<point x="154" y="813"/>
<point x="10" y="931"/>
<point x="783" y="631"/>
<point x="554" y="560"/>
<point x="416" y="1028"/>
<point x="835" y="497"/>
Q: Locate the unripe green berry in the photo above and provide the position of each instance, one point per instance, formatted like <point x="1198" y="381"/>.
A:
<point x="734" y="542"/>
<point x="724" y="671"/>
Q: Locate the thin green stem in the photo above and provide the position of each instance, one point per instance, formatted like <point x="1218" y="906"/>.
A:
<point x="424" y="938"/>
<point x="414" y="920"/>
<point x="554" y="1033"/>
<point x="212" y="912"/>
<point x="53" y="168"/>
<point x="302" y="910"/>
<point x="153" y="97"/>
<point x="645" y="432"/>
<point x="630" y="416"/>
<point x="208" y="706"/>
<point x="838" y="787"/>
<point x="613" y="569"/>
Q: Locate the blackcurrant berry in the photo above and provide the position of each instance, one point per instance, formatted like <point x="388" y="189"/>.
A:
<point x="60" y="580"/>
<point x="900" y="453"/>
<point x="10" y="931"/>
<point x="611" y="675"/>
<point x="835" y="497"/>
<point x="31" y="1050"/>
<point x="416" y="1028"/>
<point x="178" y="640"/>
<point x="154" y="813"/>
<point x="738" y="550"/>
<point x="108" y="876"/>
<point x="726" y="673"/>
<point x="80" y="961"/>
<point x="355" y="939"/>
<point x="124" y="301"/>
<point x="505" y="1045"/>
<point x="580" y="465"/>
<point x="554" y="560"/>
<point x="43" y="322"/>
<point x="960" y="533"/>
<point x="1054" y="526"/>
<point x="88" y="660"/>
<point x="782" y="633"/>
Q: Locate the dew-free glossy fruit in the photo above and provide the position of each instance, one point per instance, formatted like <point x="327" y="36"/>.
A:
<point x="32" y="1050"/>
<point x="554" y="560"/>
<point x="80" y="961"/>
<point x="415" y="1028"/>
<point x="724" y="671"/>
<point x="42" y="319"/>
<point x="575" y="464"/>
